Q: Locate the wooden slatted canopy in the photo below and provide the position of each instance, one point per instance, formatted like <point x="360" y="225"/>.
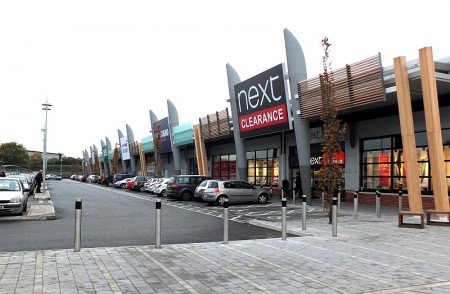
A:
<point x="356" y="84"/>
<point x="215" y="125"/>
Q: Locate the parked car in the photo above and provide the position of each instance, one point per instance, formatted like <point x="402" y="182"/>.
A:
<point x="53" y="177"/>
<point x="148" y="186"/>
<point x="138" y="183"/>
<point x="183" y="186"/>
<point x="27" y="181"/>
<point x="129" y="185"/>
<point x="93" y="179"/>
<point x="118" y="177"/>
<point x="121" y="184"/>
<point x="152" y="186"/>
<point x="236" y="192"/>
<point x="13" y="196"/>
<point x="106" y="180"/>
<point x="160" y="188"/>
<point x="200" y="189"/>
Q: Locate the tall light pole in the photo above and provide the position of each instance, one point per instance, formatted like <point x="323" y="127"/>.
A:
<point x="60" y="159"/>
<point x="46" y="107"/>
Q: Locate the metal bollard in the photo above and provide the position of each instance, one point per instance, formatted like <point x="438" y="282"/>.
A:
<point x="378" y="203"/>
<point x="283" y="219"/>
<point x="225" y="221"/>
<point x="304" y="212"/>
<point x="339" y="200"/>
<point x="400" y="199"/>
<point x="334" y="216"/>
<point x="355" y="205"/>
<point x="158" y="224"/>
<point x="77" y="245"/>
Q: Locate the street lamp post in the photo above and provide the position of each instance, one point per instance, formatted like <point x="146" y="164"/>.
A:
<point x="46" y="107"/>
<point x="60" y="159"/>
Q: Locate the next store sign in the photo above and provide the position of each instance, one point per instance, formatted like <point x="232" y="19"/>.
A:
<point x="262" y="103"/>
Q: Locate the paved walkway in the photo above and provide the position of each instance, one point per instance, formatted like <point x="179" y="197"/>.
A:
<point x="369" y="255"/>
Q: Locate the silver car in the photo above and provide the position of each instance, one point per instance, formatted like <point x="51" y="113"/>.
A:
<point x="236" y="192"/>
<point x="200" y="189"/>
<point x="161" y="187"/>
<point x="13" y="196"/>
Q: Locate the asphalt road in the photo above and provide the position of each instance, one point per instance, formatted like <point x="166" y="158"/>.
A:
<point x="113" y="217"/>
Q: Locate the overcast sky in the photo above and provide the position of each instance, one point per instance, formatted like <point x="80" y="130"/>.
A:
<point x="105" y="64"/>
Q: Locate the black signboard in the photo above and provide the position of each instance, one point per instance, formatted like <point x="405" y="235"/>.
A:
<point x="262" y="103"/>
<point x="166" y="145"/>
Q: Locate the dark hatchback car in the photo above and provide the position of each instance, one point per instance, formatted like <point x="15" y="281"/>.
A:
<point x="138" y="183"/>
<point x="118" y="177"/>
<point x="183" y="186"/>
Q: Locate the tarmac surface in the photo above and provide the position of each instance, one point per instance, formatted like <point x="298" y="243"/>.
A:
<point x="368" y="255"/>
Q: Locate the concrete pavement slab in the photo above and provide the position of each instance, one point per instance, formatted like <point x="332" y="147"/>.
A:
<point x="369" y="255"/>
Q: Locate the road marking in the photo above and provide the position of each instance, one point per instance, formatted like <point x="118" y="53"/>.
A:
<point x="213" y="211"/>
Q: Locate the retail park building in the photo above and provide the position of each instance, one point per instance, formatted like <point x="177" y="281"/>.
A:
<point x="272" y="130"/>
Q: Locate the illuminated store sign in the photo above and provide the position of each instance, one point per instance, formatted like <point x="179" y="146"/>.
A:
<point x="339" y="158"/>
<point x="262" y="103"/>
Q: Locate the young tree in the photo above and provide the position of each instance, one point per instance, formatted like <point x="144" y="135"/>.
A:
<point x="157" y="143"/>
<point x="115" y="160"/>
<point x="333" y="132"/>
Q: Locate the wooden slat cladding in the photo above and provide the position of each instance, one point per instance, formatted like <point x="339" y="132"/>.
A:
<point x="134" y="148"/>
<point x="215" y="125"/>
<point x="356" y="84"/>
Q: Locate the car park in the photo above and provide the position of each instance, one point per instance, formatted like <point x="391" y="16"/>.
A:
<point x="129" y="185"/>
<point x="200" y="189"/>
<point x="183" y="186"/>
<point x="52" y="177"/>
<point x="119" y="177"/>
<point x="160" y="188"/>
<point x="151" y="188"/>
<point x="92" y="179"/>
<point x="138" y="183"/>
<point x="122" y="183"/>
<point x="148" y="186"/>
<point x="236" y="192"/>
<point x="106" y="180"/>
<point x="13" y="196"/>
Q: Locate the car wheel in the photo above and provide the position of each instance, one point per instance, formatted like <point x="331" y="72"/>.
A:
<point x="221" y="200"/>
<point x="263" y="198"/>
<point x="25" y="207"/>
<point x="186" y="195"/>
<point x="164" y="193"/>
<point x="142" y="189"/>
<point x="122" y="186"/>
